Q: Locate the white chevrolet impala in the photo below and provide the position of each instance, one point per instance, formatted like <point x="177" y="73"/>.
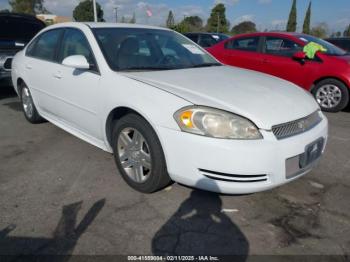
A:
<point x="168" y="110"/>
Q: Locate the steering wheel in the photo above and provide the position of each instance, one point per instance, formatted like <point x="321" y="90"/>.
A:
<point x="166" y="59"/>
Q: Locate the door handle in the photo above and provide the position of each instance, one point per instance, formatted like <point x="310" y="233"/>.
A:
<point x="57" y="75"/>
<point x="265" y="61"/>
<point x="28" y="66"/>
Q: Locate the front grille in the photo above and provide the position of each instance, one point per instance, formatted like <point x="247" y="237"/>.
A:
<point x="8" y="63"/>
<point x="296" y="127"/>
<point x="233" y="178"/>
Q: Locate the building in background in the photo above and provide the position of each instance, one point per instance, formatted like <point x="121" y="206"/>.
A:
<point x="53" y="19"/>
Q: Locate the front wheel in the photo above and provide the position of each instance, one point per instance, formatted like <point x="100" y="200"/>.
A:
<point x="332" y="95"/>
<point x="138" y="154"/>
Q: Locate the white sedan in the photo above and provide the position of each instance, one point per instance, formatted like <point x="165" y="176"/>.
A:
<point x="168" y="110"/>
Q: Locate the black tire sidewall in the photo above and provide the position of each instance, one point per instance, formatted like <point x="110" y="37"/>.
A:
<point x="159" y="177"/>
<point x="344" y="90"/>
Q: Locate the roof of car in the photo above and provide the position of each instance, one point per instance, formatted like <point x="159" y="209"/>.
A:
<point x="122" y="25"/>
<point x="104" y="25"/>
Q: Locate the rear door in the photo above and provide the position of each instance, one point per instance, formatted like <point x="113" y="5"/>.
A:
<point x="39" y="66"/>
<point x="242" y="52"/>
<point x="277" y="60"/>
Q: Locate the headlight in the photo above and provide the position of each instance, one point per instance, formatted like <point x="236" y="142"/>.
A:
<point x="216" y="123"/>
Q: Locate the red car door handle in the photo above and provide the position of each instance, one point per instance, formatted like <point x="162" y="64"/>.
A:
<point x="265" y="61"/>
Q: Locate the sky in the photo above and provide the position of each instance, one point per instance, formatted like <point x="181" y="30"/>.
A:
<point x="267" y="14"/>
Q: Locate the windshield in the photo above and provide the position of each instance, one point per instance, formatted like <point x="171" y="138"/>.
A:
<point x="331" y="49"/>
<point x="150" y="49"/>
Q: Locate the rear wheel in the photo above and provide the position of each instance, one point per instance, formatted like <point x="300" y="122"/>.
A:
<point x="332" y="95"/>
<point x="29" y="109"/>
<point x="138" y="154"/>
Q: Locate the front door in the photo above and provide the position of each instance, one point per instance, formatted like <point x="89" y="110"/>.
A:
<point x="78" y="91"/>
<point x="277" y="60"/>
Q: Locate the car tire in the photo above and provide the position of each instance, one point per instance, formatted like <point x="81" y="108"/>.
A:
<point x="332" y="95"/>
<point x="28" y="106"/>
<point x="139" y="155"/>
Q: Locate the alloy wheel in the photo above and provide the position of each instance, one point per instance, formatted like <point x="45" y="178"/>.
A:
<point x="329" y="96"/>
<point x="134" y="155"/>
<point x="27" y="102"/>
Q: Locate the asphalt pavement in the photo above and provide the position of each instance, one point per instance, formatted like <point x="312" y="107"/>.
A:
<point x="60" y="195"/>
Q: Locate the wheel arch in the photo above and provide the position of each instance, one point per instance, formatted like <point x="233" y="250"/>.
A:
<point x="116" y="114"/>
<point x="312" y="89"/>
<point x="19" y="82"/>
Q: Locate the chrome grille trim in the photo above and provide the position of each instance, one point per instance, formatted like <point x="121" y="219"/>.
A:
<point x="233" y="178"/>
<point x="296" y="127"/>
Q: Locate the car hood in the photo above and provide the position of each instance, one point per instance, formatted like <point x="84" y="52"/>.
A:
<point x="265" y="100"/>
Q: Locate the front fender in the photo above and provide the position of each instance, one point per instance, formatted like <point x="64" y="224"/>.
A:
<point x="153" y="104"/>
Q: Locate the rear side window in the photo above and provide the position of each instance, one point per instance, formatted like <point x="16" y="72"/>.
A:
<point x="250" y="44"/>
<point x="45" y="46"/>
<point x="280" y="46"/>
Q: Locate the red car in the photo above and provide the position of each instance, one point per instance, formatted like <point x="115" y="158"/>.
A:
<point x="327" y="76"/>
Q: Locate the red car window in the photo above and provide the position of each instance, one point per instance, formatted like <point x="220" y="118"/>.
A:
<point x="244" y="44"/>
<point x="281" y="46"/>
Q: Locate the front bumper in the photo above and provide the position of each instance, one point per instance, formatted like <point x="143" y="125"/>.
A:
<point x="235" y="166"/>
<point x="5" y="78"/>
<point x="5" y="70"/>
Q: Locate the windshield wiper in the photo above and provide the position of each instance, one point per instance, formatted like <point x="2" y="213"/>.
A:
<point x="206" y="65"/>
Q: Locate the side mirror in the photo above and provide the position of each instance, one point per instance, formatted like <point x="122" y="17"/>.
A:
<point x="77" y="62"/>
<point x="299" y="56"/>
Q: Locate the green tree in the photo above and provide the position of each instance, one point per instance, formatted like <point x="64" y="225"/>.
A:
<point x="4" y="11"/>
<point x="28" y="6"/>
<point x="217" y="21"/>
<point x="292" y="20"/>
<point x="320" y="31"/>
<point x="307" y="20"/>
<point x="194" y="23"/>
<point x="181" y="27"/>
<point x="347" y="32"/>
<point x="244" y="27"/>
<point x="170" y="22"/>
<point x="84" y="12"/>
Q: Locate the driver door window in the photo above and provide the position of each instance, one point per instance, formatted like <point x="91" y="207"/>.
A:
<point x="74" y="43"/>
<point x="281" y="47"/>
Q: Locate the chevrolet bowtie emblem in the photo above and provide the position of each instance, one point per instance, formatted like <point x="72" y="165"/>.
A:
<point x="302" y="124"/>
